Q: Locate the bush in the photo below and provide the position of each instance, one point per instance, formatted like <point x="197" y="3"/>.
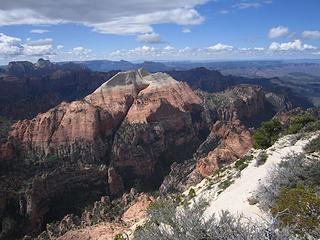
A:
<point x="261" y="158"/>
<point x="120" y="237"/>
<point x="225" y="184"/>
<point x="267" y="134"/>
<point x="188" y="223"/>
<point x="301" y="208"/>
<point x="242" y="163"/>
<point x="286" y="174"/>
<point x="192" y="193"/>
<point x="312" y="126"/>
<point x="283" y="190"/>
<point x="313" y="145"/>
<point x="298" y="122"/>
<point x="5" y="126"/>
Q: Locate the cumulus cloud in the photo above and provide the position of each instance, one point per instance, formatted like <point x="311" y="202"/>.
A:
<point x="216" y="51"/>
<point x="105" y="16"/>
<point x="59" y="47"/>
<point x="39" y="47"/>
<point x="39" y="31"/>
<point x="311" y="34"/>
<point x="12" y="47"/>
<point x="81" y="51"/>
<point x="278" y="32"/>
<point x="220" y="47"/>
<point x="151" y="38"/>
<point x="295" y="45"/>
<point x="9" y="46"/>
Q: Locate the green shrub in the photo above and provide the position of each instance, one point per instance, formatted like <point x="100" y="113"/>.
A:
<point x="267" y="134"/>
<point x="241" y="164"/>
<point x="188" y="223"/>
<point x="312" y="126"/>
<point x="298" y="122"/>
<point x="192" y="193"/>
<point x="300" y="208"/>
<point x="225" y="184"/>
<point x="313" y="145"/>
<point x="5" y="126"/>
<point x="120" y="237"/>
<point x="261" y="158"/>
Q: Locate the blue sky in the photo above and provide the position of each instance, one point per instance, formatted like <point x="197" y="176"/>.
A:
<point x="159" y="30"/>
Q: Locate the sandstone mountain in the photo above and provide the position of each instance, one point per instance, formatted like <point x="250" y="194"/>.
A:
<point x="126" y="134"/>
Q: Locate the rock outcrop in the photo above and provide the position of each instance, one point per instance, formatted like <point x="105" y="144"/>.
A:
<point x="132" y="128"/>
<point x="235" y="141"/>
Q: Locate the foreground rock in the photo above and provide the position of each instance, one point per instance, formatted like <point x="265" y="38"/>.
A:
<point x="107" y="230"/>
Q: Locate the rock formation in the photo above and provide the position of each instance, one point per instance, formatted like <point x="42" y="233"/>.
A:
<point x="126" y="134"/>
<point x="235" y="141"/>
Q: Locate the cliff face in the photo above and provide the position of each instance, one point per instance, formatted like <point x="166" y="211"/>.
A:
<point x="228" y="115"/>
<point x="235" y="141"/>
<point x="126" y="133"/>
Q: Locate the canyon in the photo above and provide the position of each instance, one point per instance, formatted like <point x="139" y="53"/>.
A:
<point x="136" y="131"/>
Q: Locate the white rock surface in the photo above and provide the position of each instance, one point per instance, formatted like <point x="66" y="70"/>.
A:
<point x="235" y="197"/>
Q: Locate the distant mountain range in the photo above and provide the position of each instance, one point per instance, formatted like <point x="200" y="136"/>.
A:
<point x="29" y="88"/>
<point x="238" y="68"/>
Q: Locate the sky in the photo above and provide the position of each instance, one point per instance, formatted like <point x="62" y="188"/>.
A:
<point x="159" y="30"/>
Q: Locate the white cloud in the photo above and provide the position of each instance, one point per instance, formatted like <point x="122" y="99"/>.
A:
<point x="295" y="45"/>
<point x="80" y="51"/>
<point x="224" y="12"/>
<point x="151" y="38"/>
<point x="217" y="51"/>
<point x="311" y="34"/>
<point x="245" y="5"/>
<point x="40" y="42"/>
<point x="220" y="47"/>
<point x="40" y="50"/>
<point x="142" y="23"/>
<point x="39" y="31"/>
<point x="186" y="30"/>
<point x="13" y="47"/>
<point x="9" y="46"/>
<point x="105" y="16"/>
<point x="169" y="48"/>
<point x="59" y="47"/>
<point x="41" y="47"/>
<point x="278" y="32"/>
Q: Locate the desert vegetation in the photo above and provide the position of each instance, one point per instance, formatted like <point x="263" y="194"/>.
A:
<point x="293" y="190"/>
<point x="4" y="127"/>
<point x="168" y="220"/>
<point x="313" y="145"/>
<point x="270" y="131"/>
